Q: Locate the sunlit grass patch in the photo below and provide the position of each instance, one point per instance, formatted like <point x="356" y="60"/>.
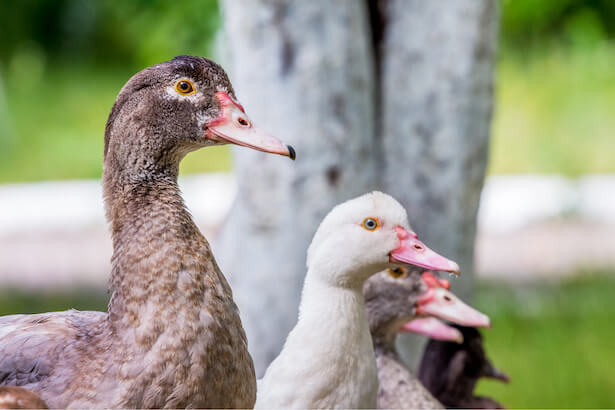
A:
<point x="555" y="341"/>
<point x="57" y="124"/>
<point x="554" y="112"/>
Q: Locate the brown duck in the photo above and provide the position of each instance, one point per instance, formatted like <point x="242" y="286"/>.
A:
<point x="172" y="336"/>
<point x="394" y="299"/>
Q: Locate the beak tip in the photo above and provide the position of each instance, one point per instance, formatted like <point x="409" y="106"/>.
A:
<point x="454" y="268"/>
<point x="291" y="152"/>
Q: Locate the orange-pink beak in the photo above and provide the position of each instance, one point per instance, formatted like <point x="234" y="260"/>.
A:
<point x="234" y="127"/>
<point x="414" y="252"/>
<point x="433" y="328"/>
<point x="439" y="302"/>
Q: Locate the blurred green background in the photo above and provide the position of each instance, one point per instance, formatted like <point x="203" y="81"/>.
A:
<point x="62" y="63"/>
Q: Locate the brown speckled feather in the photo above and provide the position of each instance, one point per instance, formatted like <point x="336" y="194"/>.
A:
<point x="390" y="302"/>
<point x="173" y="337"/>
<point x="399" y="388"/>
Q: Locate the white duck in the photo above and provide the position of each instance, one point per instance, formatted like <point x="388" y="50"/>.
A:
<point x="328" y="359"/>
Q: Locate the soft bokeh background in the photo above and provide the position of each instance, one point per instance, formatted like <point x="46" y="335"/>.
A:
<point x="62" y="63"/>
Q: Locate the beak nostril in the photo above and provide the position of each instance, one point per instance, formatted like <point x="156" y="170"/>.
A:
<point x="242" y="121"/>
<point x="418" y="247"/>
<point x="447" y="298"/>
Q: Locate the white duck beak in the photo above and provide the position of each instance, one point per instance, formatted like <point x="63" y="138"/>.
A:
<point x="234" y="127"/>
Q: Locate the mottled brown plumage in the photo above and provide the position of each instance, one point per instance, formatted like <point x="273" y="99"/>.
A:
<point x="172" y="336"/>
<point x="390" y="303"/>
<point x="12" y="397"/>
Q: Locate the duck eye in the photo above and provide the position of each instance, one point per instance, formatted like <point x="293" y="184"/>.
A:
<point x="371" y="224"/>
<point x="398" y="272"/>
<point x="185" y="87"/>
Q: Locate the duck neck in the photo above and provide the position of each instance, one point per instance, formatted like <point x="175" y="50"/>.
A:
<point x="336" y="315"/>
<point x="320" y="298"/>
<point x="333" y="324"/>
<point x="158" y="251"/>
<point x="384" y="343"/>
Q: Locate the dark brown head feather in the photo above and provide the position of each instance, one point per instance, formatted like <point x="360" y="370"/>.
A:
<point x="206" y="72"/>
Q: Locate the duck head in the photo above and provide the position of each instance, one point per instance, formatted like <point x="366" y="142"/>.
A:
<point x="365" y="235"/>
<point x="438" y="302"/>
<point x="409" y="300"/>
<point x="167" y="110"/>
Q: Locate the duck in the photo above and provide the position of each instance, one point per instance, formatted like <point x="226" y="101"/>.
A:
<point x="408" y="300"/>
<point x="450" y="371"/>
<point x="327" y="360"/>
<point x="12" y="397"/>
<point x="172" y="335"/>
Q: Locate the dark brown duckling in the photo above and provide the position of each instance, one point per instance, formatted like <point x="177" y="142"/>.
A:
<point x="12" y="397"/>
<point x="394" y="299"/>
<point x="450" y="371"/>
<point x="172" y="336"/>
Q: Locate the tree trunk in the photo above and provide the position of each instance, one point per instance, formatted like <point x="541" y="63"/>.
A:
<point x="303" y="71"/>
<point x="437" y="91"/>
<point x="394" y="96"/>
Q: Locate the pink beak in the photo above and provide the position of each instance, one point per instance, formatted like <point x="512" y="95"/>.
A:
<point x="443" y="304"/>
<point x="414" y="252"/>
<point x="439" y="302"/>
<point x="432" y="327"/>
<point x="234" y="127"/>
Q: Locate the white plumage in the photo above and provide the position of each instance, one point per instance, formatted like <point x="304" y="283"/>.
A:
<point x="328" y="359"/>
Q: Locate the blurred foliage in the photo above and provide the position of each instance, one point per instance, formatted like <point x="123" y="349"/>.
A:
<point x="530" y="24"/>
<point x="106" y="32"/>
<point x="19" y="301"/>
<point x="555" y="341"/>
<point x="58" y="123"/>
<point x="554" y="112"/>
<point x="62" y="63"/>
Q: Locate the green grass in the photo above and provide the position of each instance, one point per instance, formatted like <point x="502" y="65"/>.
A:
<point x="55" y="121"/>
<point x="14" y="301"/>
<point x="553" y="114"/>
<point x="556" y="342"/>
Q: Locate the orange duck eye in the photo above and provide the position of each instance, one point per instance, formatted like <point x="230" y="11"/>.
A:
<point x="185" y="87"/>
<point x="371" y="224"/>
<point x="399" y="272"/>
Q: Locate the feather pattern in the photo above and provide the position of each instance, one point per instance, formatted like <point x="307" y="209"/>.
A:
<point x="172" y="336"/>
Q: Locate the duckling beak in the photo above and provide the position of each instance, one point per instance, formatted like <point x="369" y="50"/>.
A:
<point x="433" y="328"/>
<point x="234" y="127"/>
<point x="414" y="252"/>
<point x="443" y="304"/>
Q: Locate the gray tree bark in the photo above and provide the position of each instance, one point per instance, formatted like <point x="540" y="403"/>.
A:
<point x="394" y="96"/>
<point x="437" y="96"/>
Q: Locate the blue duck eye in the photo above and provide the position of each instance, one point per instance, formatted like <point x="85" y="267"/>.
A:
<point x="371" y="224"/>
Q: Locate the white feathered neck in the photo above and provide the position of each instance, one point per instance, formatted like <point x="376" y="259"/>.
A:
<point x="328" y="359"/>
